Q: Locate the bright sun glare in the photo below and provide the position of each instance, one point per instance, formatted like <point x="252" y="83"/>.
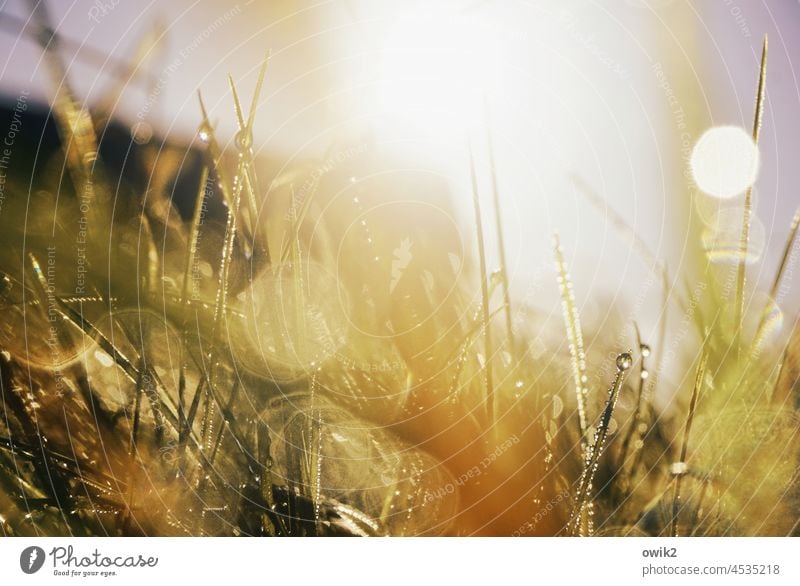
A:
<point x="436" y="67"/>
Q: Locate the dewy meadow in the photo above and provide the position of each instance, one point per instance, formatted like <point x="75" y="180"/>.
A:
<point x="196" y="340"/>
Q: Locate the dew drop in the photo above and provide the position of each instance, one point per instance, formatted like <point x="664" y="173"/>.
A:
<point x="624" y="361"/>
<point x="244" y="140"/>
<point x="679" y="468"/>
<point x="103" y="358"/>
<point x="645" y="350"/>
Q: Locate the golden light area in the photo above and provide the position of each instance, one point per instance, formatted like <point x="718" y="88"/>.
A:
<point x="725" y="161"/>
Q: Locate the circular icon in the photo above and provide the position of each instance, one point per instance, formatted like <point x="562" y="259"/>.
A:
<point x="31" y="559"/>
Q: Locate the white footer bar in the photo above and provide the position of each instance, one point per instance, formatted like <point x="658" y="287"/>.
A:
<point x="406" y="561"/>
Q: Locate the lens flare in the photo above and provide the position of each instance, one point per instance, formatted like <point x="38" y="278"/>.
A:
<point x="725" y="161"/>
<point x="721" y="238"/>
